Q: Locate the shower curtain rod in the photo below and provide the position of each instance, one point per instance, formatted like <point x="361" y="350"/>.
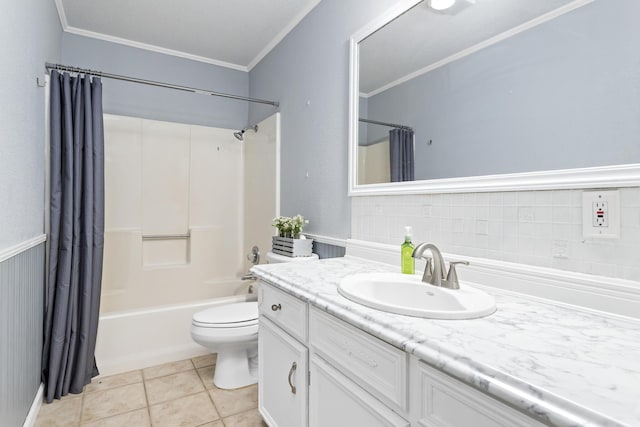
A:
<point x="391" y="125"/>
<point x="50" y="66"/>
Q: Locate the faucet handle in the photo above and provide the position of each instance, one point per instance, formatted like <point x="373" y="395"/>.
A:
<point x="428" y="271"/>
<point x="452" y="275"/>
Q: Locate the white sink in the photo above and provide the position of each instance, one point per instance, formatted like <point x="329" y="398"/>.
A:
<point x="407" y="294"/>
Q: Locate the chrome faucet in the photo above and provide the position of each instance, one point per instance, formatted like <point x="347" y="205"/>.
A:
<point x="434" y="272"/>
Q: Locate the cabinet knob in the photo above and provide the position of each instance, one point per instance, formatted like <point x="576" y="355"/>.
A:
<point x="294" y="366"/>
<point x="275" y="307"/>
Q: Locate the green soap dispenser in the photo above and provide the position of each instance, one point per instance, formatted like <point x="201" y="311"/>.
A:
<point x="407" y="263"/>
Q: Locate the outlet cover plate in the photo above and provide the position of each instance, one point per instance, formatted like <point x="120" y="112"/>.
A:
<point x="610" y="199"/>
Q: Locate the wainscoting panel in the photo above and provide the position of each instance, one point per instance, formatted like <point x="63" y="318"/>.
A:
<point x="327" y="250"/>
<point x="21" y="317"/>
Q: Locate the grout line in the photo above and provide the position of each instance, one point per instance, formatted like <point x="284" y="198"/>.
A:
<point x="146" y="398"/>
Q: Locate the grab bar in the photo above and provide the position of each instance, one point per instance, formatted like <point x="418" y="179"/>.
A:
<point x="165" y="236"/>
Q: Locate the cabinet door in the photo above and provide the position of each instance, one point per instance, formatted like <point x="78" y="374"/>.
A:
<point x="335" y="401"/>
<point x="282" y="381"/>
<point x="441" y="401"/>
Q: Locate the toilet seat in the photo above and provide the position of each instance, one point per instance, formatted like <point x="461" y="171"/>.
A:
<point x="238" y="315"/>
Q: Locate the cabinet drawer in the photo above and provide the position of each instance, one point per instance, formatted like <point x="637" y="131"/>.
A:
<point x="442" y="401"/>
<point x="284" y="310"/>
<point x="376" y="366"/>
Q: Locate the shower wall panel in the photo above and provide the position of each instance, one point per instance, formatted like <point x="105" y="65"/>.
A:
<point x="173" y="213"/>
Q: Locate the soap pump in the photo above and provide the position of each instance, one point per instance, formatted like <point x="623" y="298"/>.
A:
<point x="407" y="262"/>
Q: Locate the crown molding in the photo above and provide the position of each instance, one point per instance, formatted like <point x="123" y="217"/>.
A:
<point x="282" y="34"/>
<point x="172" y="52"/>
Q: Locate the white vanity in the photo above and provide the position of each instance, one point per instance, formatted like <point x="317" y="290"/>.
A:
<point x="328" y="361"/>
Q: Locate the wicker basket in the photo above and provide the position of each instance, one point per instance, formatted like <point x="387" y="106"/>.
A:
<point x="291" y="247"/>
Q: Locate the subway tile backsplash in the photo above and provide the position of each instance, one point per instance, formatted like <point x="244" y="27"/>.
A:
<point x="542" y="228"/>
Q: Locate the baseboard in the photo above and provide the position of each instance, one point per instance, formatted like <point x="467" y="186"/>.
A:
<point x="604" y="294"/>
<point x="30" y="421"/>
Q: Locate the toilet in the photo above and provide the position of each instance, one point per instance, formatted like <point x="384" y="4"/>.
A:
<point x="231" y="330"/>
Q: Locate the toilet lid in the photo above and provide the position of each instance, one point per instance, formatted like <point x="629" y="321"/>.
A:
<point x="239" y="313"/>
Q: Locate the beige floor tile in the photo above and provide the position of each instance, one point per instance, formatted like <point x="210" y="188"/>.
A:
<point x="206" y="375"/>
<point x="206" y="360"/>
<point x="105" y="383"/>
<point x="250" y="418"/>
<point x="173" y="386"/>
<point x="167" y="369"/>
<point x="231" y="402"/>
<point x="63" y="413"/>
<point x="137" y="418"/>
<point x="107" y="403"/>
<point x="188" y="411"/>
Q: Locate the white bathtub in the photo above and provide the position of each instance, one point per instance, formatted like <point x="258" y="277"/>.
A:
<point x="137" y="339"/>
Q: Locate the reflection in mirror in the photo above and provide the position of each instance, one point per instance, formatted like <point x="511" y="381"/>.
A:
<point x="500" y="87"/>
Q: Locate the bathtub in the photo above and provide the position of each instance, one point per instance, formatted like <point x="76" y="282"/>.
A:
<point x="150" y="336"/>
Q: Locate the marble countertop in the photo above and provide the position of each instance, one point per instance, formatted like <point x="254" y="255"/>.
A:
<point x="562" y="366"/>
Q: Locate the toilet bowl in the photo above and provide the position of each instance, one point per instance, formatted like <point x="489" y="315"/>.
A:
<point x="231" y="331"/>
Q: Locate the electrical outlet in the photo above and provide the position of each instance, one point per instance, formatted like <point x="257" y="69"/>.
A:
<point x="601" y="214"/>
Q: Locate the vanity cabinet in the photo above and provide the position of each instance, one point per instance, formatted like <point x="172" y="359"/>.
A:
<point x="282" y="359"/>
<point x="283" y="389"/>
<point x="337" y="401"/>
<point x="319" y="371"/>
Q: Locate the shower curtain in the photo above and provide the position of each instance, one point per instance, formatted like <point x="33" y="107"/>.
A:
<point x="401" y="155"/>
<point x="77" y="234"/>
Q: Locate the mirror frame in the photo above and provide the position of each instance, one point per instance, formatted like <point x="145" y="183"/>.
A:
<point x="626" y="175"/>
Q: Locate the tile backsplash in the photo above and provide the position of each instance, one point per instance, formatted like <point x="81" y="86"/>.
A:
<point x="542" y="228"/>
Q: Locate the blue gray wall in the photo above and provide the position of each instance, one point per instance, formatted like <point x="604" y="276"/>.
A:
<point x="155" y="103"/>
<point x="30" y="33"/>
<point x="308" y="72"/>
<point x="560" y="95"/>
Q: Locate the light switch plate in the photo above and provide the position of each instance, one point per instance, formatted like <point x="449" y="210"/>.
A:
<point x="601" y="214"/>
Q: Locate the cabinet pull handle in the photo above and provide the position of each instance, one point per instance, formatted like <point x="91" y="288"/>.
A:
<point x="294" y="366"/>
<point x="275" y="307"/>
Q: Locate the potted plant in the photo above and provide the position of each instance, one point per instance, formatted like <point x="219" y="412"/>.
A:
<point x="288" y="241"/>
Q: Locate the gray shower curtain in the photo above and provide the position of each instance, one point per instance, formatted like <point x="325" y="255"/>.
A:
<point x="76" y="238"/>
<point x="401" y="155"/>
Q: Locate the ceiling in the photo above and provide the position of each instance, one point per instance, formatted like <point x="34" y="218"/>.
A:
<point x="231" y="33"/>
<point x="422" y="39"/>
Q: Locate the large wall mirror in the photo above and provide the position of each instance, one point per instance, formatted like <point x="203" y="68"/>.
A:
<point x="491" y="95"/>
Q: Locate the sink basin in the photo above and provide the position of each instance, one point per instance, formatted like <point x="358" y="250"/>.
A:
<point x="407" y="294"/>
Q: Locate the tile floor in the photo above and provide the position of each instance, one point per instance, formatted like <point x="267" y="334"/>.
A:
<point x="174" y="394"/>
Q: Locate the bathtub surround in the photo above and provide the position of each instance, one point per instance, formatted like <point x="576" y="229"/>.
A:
<point x="540" y="228"/>
<point x="171" y="237"/>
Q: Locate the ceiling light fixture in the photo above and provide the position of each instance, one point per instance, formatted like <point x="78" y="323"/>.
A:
<point x="441" y="4"/>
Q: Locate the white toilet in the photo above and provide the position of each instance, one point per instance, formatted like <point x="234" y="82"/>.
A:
<point x="231" y="330"/>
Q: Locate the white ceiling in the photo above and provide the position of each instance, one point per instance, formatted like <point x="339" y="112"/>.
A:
<point x="423" y="39"/>
<point x="230" y="33"/>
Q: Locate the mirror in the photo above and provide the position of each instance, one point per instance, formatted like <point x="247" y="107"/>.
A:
<point x="496" y="95"/>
